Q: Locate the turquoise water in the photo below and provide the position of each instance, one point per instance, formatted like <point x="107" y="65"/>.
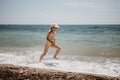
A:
<point x="94" y="40"/>
<point x="85" y="48"/>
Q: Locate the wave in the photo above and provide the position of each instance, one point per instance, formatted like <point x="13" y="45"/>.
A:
<point x="97" y="65"/>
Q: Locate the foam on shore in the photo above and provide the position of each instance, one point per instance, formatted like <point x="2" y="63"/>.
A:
<point x="97" y="65"/>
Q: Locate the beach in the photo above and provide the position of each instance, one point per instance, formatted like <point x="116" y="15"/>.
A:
<point x="91" y="49"/>
<point x="59" y="39"/>
<point x="12" y="72"/>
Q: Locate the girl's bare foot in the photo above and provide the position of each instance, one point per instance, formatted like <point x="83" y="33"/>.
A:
<point x="55" y="58"/>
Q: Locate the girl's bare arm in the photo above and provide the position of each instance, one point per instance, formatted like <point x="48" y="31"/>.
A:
<point x="48" y="38"/>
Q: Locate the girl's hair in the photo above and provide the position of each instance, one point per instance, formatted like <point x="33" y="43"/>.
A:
<point x="50" y="29"/>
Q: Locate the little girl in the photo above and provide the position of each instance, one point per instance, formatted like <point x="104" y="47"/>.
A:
<point x="50" y="42"/>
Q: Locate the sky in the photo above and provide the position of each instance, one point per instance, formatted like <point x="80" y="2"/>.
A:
<point x="60" y="11"/>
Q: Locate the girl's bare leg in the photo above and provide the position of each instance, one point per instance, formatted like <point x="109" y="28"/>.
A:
<point x="57" y="51"/>
<point x="44" y="53"/>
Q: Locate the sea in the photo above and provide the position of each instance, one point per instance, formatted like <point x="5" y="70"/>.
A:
<point x="85" y="48"/>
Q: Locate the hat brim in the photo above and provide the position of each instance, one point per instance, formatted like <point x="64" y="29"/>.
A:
<point x="56" y="26"/>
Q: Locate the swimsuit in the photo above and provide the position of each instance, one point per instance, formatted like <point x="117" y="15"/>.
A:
<point x="51" y="38"/>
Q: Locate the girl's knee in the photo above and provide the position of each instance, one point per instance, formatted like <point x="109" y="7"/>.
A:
<point x="59" y="48"/>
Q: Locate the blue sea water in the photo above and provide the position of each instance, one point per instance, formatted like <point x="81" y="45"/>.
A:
<point x="94" y="40"/>
<point x="85" y="48"/>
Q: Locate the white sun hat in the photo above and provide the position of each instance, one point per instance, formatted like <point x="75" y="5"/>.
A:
<point x="54" y="25"/>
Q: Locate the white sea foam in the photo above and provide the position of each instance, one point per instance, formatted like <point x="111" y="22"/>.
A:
<point x="97" y="65"/>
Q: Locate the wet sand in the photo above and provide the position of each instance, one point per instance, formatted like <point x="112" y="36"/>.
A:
<point x="12" y="72"/>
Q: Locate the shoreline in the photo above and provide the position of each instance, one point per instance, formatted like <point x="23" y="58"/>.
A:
<point x="13" y="72"/>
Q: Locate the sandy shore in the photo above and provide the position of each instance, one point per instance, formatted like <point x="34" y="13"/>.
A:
<point x="12" y="72"/>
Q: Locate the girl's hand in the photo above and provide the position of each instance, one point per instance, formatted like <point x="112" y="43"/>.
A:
<point x="53" y="43"/>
